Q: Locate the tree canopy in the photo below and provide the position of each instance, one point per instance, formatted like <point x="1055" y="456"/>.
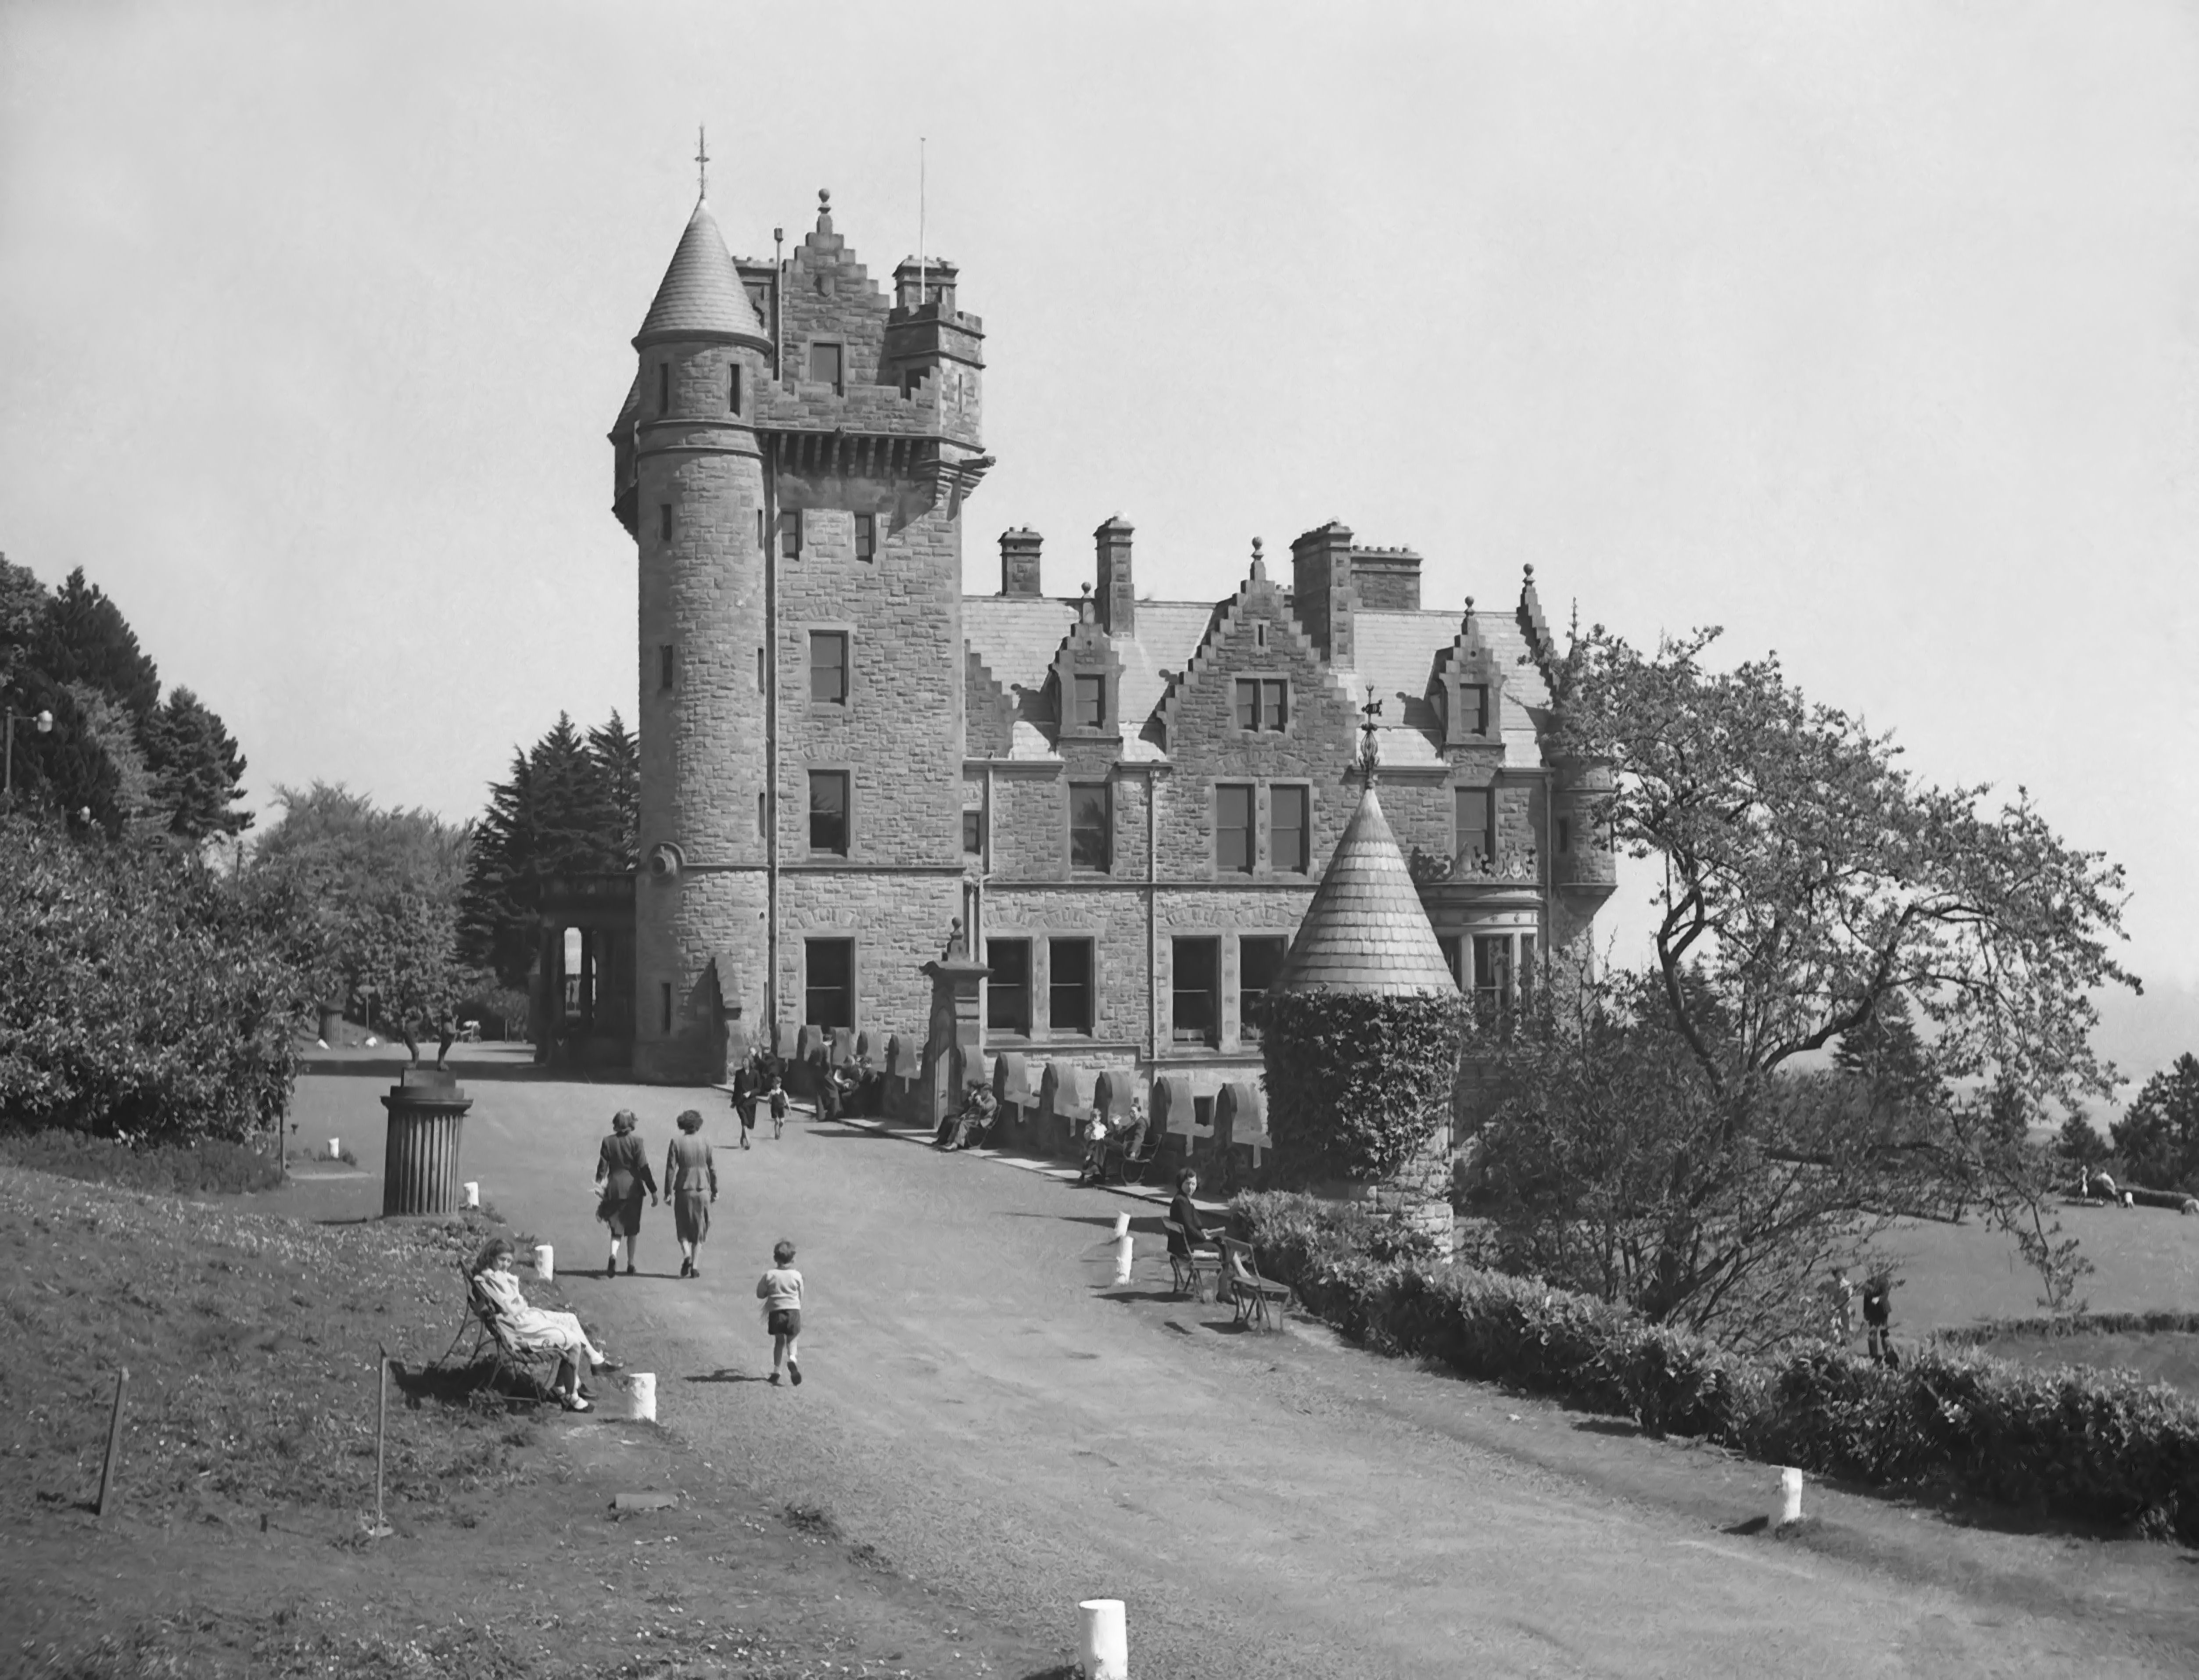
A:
<point x="570" y="806"/>
<point x="2158" y="1136"/>
<point x="379" y="891"/>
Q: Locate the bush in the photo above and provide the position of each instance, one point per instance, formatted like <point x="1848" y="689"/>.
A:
<point x="210" y="1167"/>
<point x="1358" y="1084"/>
<point x="2102" y="1446"/>
<point x="141" y="994"/>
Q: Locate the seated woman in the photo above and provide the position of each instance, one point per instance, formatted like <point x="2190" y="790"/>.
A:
<point x="1190" y="1235"/>
<point x="529" y="1327"/>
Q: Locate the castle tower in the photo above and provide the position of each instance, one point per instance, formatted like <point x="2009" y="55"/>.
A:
<point x="692" y="491"/>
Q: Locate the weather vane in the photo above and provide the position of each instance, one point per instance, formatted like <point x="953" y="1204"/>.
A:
<point x="702" y="164"/>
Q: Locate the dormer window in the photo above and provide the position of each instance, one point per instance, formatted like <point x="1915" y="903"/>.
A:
<point x="1472" y="708"/>
<point x="1091" y="703"/>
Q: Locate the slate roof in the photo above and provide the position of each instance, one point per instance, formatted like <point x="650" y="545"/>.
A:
<point x="702" y="292"/>
<point x="1365" y="931"/>
<point x="1018" y="636"/>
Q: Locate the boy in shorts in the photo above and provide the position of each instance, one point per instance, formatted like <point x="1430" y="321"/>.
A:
<point x="780" y="1289"/>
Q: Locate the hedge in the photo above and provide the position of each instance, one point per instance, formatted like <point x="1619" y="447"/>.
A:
<point x="2102" y="1446"/>
<point x="2161" y="1321"/>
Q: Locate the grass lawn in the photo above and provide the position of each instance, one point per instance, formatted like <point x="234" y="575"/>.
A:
<point x="2144" y="1259"/>
<point x="247" y="1462"/>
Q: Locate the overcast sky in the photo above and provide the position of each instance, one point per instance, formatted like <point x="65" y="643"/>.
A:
<point x="1868" y="331"/>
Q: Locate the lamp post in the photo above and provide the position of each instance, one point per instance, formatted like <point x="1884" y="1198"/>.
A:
<point x="44" y="721"/>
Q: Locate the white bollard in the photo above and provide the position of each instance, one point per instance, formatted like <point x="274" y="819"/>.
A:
<point x="545" y="1262"/>
<point x="1103" y="1639"/>
<point x="1790" y="1496"/>
<point x="641" y="1396"/>
<point x="1124" y="1245"/>
<point x="336" y="1148"/>
<point x="1121" y="1226"/>
<point x="472" y="1192"/>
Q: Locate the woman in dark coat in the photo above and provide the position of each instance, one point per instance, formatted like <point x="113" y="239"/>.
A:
<point x="622" y="1172"/>
<point x="691" y="1179"/>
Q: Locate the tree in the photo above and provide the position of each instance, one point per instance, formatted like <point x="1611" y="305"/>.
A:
<point x="2081" y="1144"/>
<point x="141" y="994"/>
<point x="198" y="773"/>
<point x="23" y="601"/>
<point x="570" y="807"/>
<point x="2158" y="1136"/>
<point x="381" y="891"/>
<point x="1815" y="896"/>
<point x="84" y="638"/>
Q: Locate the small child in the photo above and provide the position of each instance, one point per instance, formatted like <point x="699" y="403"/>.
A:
<point x="778" y="1109"/>
<point x="780" y="1289"/>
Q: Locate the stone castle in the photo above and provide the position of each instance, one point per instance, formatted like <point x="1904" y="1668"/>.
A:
<point x="1128" y="801"/>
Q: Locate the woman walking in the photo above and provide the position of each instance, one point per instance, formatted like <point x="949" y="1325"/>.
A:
<point x="691" y="1179"/>
<point x="622" y="1174"/>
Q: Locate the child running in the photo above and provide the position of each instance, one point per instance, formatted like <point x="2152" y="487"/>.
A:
<point x="780" y="1289"/>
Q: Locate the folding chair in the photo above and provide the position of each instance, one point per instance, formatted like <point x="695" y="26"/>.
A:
<point x="1188" y="1269"/>
<point x="1249" y="1291"/>
<point x="511" y="1361"/>
<point x="1130" y="1167"/>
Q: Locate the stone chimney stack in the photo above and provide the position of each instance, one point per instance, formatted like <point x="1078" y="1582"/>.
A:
<point x="1020" y="563"/>
<point x="1386" y="580"/>
<point x="1321" y="590"/>
<point x="1118" y="599"/>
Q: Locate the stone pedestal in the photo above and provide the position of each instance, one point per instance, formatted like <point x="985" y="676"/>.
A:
<point x="953" y="1047"/>
<point x="420" y="1164"/>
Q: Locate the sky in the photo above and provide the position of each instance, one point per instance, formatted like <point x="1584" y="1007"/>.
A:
<point x="1867" y="331"/>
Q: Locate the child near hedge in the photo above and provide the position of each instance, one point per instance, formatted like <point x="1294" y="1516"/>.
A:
<point x="1877" y="1313"/>
<point x="780" y="1289"/>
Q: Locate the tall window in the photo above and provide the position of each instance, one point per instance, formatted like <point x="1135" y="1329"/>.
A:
<point x="1091" y="825"/>
<point x="733" y="387"/>
<point x="828" y="991"/>
<point x="1263" y="704"/>
<point x="973" y="832"/>
<point x="828" y="666"/>
<point x="1476" y="827"/>
<point x="1232" y="828"/>
<point x="828" y="812"/>
<point x="1068" y="986"/>
<point x="1259" y="961"/>
<point x="1195" y="1011"/>
<point x="1289" y="830"/>
<point x="1503" y="972"/>
<point x="824" y="364"/>
<point x="1008" y="991"/>
<point x="790" y="533"/>
<point x="1091" y="702"/>
<point x="866" y="535"/>
<point x="1472" y="708"/>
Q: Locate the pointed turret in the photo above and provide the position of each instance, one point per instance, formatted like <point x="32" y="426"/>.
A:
<point x="1365" y="931"/>
<point x="702" y="296"/>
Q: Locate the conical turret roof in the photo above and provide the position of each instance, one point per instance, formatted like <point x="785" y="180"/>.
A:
<point x="1365" y="931"/>
<point x="702" y="295"/>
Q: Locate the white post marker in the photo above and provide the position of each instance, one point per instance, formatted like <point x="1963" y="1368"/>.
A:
<point x="1103" y="1639"/>
<point x="472" y="1192"/>
<point x="1122" y="1225"/>
<point x="1123" y="1245"/>
<point x="336" y="1148"/>
<point x="1790" y="1496"/>
<point x="641" y="1396"/>
<point x="545" y="1262"/>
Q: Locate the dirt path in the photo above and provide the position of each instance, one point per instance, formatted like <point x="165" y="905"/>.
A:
<point x="997" y="1420"/>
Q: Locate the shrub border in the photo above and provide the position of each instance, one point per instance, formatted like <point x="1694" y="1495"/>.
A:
<point x="2098" y="1446"/>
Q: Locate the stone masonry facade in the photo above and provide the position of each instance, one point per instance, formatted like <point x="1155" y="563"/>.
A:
<point x="1126" y="800"/>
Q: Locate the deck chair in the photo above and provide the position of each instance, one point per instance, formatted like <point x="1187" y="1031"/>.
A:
<point x="1189" y="1269"/>
<point x="511" y="1361"/>
<point x="1248" y="1290"/>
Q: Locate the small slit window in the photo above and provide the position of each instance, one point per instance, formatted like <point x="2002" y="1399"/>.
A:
<point x="664" y="522"/>
<point x="667" y="664"/>
<point x="733" y="388"/>
<point x="664" y="388"/>
<point x="866" y="536"/>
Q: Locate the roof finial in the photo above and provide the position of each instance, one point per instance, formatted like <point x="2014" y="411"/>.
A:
<point x="702" y="166"/>
<point x="1259" y="563"/>
<point x="1370" y="755"/>
<point x="824" y="209"/>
